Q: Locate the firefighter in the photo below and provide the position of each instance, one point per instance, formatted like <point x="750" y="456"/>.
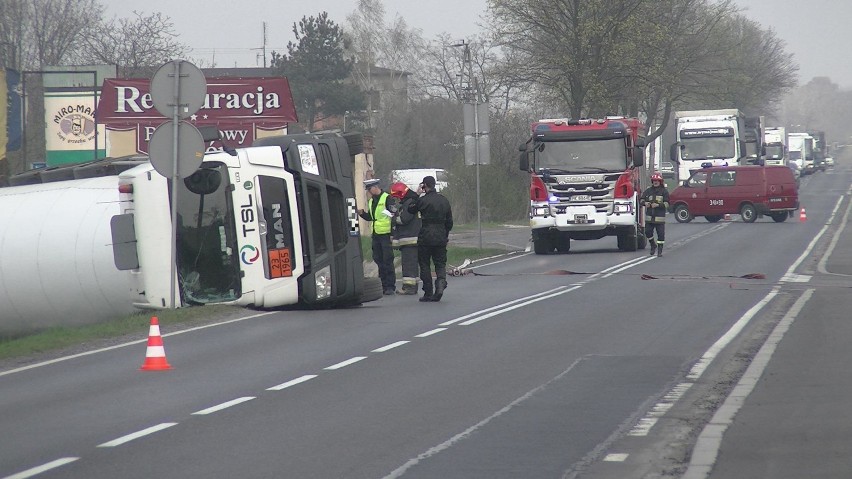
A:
<point x="382" y="209"/>
<point x="437" y="217"/>
<point x="406" y="227"/>
<point x="656" y="201"/>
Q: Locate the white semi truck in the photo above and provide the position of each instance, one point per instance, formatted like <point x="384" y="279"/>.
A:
<point x="708" y="138"/>
<point x="270" y="225"/>
<point x="800" y="147"/>
<point x="775" y="143"/>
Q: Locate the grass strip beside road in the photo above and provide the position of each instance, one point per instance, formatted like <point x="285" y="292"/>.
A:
<point x="74" y="339"/>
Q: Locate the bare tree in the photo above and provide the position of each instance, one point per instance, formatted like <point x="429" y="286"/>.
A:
<point x="57" y="27"/>
<point x="142" y="40"/>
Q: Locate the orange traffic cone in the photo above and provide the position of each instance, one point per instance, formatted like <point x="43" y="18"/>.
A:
<point x="155" y="355"/>
<point x="802" y="216"/>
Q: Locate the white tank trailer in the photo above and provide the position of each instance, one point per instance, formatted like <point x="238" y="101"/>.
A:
<point x="56" y="256"/>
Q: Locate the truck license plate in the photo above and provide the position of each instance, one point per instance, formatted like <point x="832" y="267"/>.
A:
<point x="581" y="219"/>
<point x="581" y="198"/>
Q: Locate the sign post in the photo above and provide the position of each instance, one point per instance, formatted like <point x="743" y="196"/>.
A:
<point x="178" y="89"/>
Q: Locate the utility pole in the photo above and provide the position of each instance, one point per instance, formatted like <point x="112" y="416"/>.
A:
<point x="476" y="125"/>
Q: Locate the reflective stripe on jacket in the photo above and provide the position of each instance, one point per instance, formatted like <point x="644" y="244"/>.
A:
<point x="659" y="195"/>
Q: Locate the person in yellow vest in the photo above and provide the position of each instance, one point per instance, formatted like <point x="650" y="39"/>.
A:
<point x="382" y="208"/>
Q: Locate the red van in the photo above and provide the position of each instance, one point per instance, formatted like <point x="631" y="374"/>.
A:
<point x="749" y="191"/>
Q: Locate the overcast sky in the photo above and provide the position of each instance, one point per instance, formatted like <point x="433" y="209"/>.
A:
<point x="232" y="29"/>
<point x="817" y="32"/>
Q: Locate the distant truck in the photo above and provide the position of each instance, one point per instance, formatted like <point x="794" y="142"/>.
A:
<point x="800" y="147"/>
<point x="820" y="149"/>
<point x="586" y="177"/>
<point x="775" y="144"/>
<point x="753" y="127"/>
<point x="708" y="138"/>
<point x="267" y="226"/>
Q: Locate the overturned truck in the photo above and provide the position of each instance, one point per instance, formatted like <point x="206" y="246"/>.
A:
<point x="271" y="225"/>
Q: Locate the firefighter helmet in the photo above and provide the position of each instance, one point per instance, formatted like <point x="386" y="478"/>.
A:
<point x="398" y="190"/>
<point x="657" y="177"/>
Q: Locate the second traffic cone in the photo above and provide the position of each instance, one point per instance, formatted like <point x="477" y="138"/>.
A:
<point x="155" y="355"/>
<point x="802" y="216"/>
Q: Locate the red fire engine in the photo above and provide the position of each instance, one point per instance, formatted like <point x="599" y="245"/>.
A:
<point x="586" y="179"/>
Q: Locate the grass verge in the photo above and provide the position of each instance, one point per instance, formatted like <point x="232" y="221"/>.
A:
<point x="71" y="339"/>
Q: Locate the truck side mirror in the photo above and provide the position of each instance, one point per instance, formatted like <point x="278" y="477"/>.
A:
<point x="524" y="161"/>
<point x="673" y="152"/>
<point x="639" y="156"/>
<point x="743" y="151"/>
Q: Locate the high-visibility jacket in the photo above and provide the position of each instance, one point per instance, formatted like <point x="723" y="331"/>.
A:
<point x="376" y="213"/>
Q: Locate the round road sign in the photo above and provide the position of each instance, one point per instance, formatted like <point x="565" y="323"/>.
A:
<point x="190" y="150"/>
<point x="187" y="92"/>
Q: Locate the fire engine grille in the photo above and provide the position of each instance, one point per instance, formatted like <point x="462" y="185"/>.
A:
<point x="597" y="193"/>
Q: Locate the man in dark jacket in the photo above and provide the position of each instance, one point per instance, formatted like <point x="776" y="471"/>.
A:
<point x="437" y="218"/>
<point x="656" y="201"/>
<point x="406" y="228"/>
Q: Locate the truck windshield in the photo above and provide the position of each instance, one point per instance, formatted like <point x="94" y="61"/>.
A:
<point x="582" y="155"/>
<point x="207" y="264"/>
<point x="707" y="148"/>
<point x="775" y="152"/>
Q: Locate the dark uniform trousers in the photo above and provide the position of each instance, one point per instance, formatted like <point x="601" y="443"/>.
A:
<point x="383" y="256"/>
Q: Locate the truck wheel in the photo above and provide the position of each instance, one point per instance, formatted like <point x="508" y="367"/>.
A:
<point x="372" y="289"/>
<point x="542" y="242"/>
<point x="682" y="214"/>
<point x="562" y="242"/>
<point x="641" y="240"/>
<point x="748" y="213"/>
<point x="355" y="142"/>
<point x="713" y="218"/>
<point x="779" y="217"/>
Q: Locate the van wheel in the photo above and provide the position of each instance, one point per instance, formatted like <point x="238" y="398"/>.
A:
<point x="779" y="217"/>
<point x="713" y="218"/>
<point x="682" y="214"/>
<point x="748" y="213"/>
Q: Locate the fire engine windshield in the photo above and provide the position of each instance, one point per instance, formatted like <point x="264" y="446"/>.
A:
<point x="582" y="155"/>
<point x="207" y="263"/>
<point x="708" y="148"/>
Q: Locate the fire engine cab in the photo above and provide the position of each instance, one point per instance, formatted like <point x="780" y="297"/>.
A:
<point x="586" y="177"/>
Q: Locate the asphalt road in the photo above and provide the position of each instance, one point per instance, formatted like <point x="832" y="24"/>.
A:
<point x="596" y="363"/>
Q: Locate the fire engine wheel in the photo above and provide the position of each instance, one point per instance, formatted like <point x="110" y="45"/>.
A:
<point x="748" y="213"/>
<point x="629" y="241"/>
<point x="682" y="214"/>
<point x="641" y="240"/>
<point x="544" y="242"/>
